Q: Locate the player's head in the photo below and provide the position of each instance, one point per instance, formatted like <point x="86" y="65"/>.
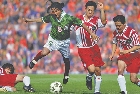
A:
<point x="9" y="68"/>
<point x="56" y="8"/>
<point x="90" y="7"/>
<point x="119" y="21"/>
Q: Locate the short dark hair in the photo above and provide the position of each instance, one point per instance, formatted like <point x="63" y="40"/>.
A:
<point x="119" y="18"/>
<point x="10" y="66"/>
<point x="57" y="5"/>
<point x="91" y="3"/>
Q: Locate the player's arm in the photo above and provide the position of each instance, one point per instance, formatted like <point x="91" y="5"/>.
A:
<point x="103" y="16"/>
<point x="94" y="36"/>
<point x="114" y="47"/>
<point x="32" y="20"/>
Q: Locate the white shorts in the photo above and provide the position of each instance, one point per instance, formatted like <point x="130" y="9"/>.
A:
<point x="61" y="45"/>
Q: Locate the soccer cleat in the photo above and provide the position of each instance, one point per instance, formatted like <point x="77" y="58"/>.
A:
<point x="32" y="63"/>
<point x="122" y="92"/>
<point x="29" y="88"/>
<point x="88" y="83"/>
<point x="65" y="79"/>
<point x="97" y="93"/>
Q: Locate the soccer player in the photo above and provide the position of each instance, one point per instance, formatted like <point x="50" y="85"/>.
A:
<point x="88" y="49"/>
<point x="129" y="58"/>
<point x="8" y="79"/>
<point x="59" y="38"/>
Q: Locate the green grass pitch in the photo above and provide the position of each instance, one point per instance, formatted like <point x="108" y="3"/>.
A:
<point x="76" y="85"/>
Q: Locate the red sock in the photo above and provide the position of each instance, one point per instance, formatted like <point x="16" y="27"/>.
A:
<point x="38" y="56"/>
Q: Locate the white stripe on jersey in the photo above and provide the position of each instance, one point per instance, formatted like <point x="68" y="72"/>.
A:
<point x="1" y="71"/>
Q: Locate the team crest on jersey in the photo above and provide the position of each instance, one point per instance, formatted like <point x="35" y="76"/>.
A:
<point x="128" y="41"/>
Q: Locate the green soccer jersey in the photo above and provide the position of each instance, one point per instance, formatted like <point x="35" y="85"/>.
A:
<point x="60" y="29"/>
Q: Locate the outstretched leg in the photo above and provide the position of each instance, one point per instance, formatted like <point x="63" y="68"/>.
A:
<point x="40" y="54"/>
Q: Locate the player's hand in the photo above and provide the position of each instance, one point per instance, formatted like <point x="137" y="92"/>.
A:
<point x="94" y="37"/>
<point x="100" y="5"/>
<point x="111" y="57"/>
<point x="25" y="20"/>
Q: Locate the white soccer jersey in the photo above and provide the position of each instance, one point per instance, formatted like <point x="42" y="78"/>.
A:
<point x="127" y="39"/>
<point x="83" y="38"/>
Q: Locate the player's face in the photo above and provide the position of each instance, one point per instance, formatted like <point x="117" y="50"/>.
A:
<point x="56" y="11"/>
<point x="90" y="11"/>
<point x="119" y="26"/>
<point x="8" y="70"/>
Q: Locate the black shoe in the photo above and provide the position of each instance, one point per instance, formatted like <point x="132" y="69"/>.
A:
<point x="89" y="83"/>
<point x="97" y="93"/>
<point x="29" y="88"/>
<point x="122" y="92"/>
<point x="65" y="79"/>
<point x="31" y="65"/>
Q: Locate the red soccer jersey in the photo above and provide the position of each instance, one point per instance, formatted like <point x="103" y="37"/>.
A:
<point x="127" y="39"/>
<point x="82" y="36"/>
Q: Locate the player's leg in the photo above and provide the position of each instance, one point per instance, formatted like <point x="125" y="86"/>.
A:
<point x="121" y="79"/>
<point x="67" y="68"/>
<point x="26" y="81"/>
<point x="39" y="55"/>
<point x="134" y="79"/>
<point x="63" y="48"/>
<point x="89" y="76"/>
<point x="97" y="80"/>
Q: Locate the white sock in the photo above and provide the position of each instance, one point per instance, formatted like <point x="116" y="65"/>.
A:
<point x="98" y="81"/>
<point x="122" y="83"/>
<point x="138" y="82"/>
<point x="26" y="80"/>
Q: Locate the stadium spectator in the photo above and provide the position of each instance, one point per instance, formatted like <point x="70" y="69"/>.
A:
<point x="128" y="41"/>
<point x="8" y="79"/>
<point x="88" y="49"/>
<point x="59" y="38"/>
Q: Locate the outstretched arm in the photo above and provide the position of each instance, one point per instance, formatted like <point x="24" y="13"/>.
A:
<point x="32" y="20"/>
<point x="103" y="16"/>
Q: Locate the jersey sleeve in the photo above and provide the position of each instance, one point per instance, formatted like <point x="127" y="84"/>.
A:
<point x="135" y="39"/>
<point x="77" y="21"/>
<point x="100" y="25"/>
<point x="46" y="19"/>
<point x="114" y="40"/>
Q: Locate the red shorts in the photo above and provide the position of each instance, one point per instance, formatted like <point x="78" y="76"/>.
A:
<point x="90" y="56"/>
<point x="132" y="61"/>
<point x="8" y="80"/>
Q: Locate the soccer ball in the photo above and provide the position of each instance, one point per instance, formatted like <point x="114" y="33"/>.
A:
<point x="56" y="87"/>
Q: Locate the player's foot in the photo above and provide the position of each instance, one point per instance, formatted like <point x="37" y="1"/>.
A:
<point x="65" y="79"/>
<point x="32" y="63"/>
<point x="88" y="83"/>
<point x="29" y="88"/>
<point x="122" y="92"/>
<point x="97" y="93"/>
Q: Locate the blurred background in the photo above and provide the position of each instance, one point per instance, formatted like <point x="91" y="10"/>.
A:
<point x="20" y="41"/>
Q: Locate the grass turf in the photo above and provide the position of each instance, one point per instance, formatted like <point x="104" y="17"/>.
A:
<point x="76" y="85"/>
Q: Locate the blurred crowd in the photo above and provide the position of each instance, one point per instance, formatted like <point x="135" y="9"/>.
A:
<point x="20" y="41"/>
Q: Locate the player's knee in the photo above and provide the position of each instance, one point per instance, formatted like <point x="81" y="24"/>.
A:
<point x="66" y="61"/>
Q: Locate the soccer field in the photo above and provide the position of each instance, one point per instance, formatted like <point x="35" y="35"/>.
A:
<point x="76" y="85"/>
